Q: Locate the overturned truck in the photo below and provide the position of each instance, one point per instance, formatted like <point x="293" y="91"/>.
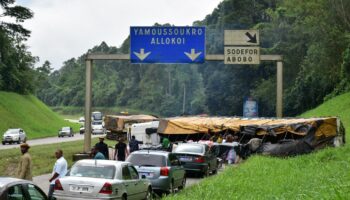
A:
<point x="268" y="136"/>
<point x="117" y="125"/>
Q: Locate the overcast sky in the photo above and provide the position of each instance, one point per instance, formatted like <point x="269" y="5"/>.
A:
<point x="63" y="29"/>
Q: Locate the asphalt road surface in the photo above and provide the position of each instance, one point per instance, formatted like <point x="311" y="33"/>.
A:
<point x="50" y="140"/>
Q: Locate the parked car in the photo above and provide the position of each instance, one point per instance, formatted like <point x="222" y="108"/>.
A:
<point x="97" y="128"/>
<point x="82" y="130"/>
<point x="198" y="158"/>
<point x="102" y="179"/>
<point x="14" y="135"/>
<point x="66" y="131"/>
<point x="13" y="188"/>
<point x="162" y="168"/>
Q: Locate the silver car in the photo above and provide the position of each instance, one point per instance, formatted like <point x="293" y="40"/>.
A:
<point x="66" y="131"/>
<point x="162" y="168"/>
<point x="14" y="188"/>
<point x="102" y="179"/>
<point x="97" y="128"/>
<point x="14" y="135"/>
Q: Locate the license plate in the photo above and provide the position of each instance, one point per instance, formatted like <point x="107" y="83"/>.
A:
<point x="147" y="174"/>
<point x="185" y="159"/>
<point x="80" y="188"/>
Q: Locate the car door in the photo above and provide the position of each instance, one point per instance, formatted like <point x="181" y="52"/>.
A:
<point x="211" y="159"/>
<point x="15" y="192"/>
<point x="128" y="183"/>
<point x="140" y="188"/>
<point x="33" y="192"/>
<point x="21" y="135"/>
<point x="177" y="170"/>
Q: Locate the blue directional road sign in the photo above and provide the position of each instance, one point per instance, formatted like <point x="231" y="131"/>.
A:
<point x="180" y="44"/>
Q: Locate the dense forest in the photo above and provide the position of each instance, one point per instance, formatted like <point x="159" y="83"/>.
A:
<point x="313" y="37"/>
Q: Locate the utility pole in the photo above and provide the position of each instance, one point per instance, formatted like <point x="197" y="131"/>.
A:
<point x="184" y="100"/>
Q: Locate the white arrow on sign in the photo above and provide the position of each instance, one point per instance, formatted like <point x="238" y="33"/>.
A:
<point x="142" y="55"/>
<point x="193" y="55"/>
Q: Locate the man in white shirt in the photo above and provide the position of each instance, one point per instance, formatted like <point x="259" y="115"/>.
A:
<point x="59" y="170"/>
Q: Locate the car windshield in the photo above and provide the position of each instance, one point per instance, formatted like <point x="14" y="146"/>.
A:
<point x="93" y="171"/>
<point x="65" y="129"/>
<point x="12" y="131"/>
<point x="186" y="148"/>
<point x="97" y="116"/>
<point x="150" y="160"/>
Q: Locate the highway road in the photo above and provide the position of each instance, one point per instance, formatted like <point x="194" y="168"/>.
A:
<point x="49" y="140"/>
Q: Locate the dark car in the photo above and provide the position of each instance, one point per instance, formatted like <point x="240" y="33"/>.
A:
<point x="162" y="168"/>
<point x="198" y="158"/>
<point x="13" y="188"/>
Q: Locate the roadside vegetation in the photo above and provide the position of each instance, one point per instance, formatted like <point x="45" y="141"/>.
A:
<point x="43" y="156"/>
<point x="29" y="113"/>
<point x="319" y="175"/>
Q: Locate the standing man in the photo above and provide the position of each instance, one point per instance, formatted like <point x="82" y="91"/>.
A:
<point x="133" y="144"/>
<point x="24" y="170"/>
<point x="59" y="170"/>
<point x="102" y="147"/>
<point x="121" y="150"/>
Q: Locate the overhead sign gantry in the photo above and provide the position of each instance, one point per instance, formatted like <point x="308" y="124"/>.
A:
<point x="171" y="44"/>
<point x="183" y="45"/>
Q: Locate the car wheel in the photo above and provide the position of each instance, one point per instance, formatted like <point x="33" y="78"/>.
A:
<point x="3" y="143"/>
<point x="124" y="197"/>
<point x="183" y="183"/>
<point x="149" y="194"/>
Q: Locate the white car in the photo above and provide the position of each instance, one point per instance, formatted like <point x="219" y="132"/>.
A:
<point x="14" y="135"/>
<point x="97" y="128"/>
<point x="102" y="179"/>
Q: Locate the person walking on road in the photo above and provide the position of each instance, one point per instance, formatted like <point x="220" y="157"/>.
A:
<point x="121" y="150"/>
<point x="24" y="170"/>
<point x="102" y="147"/>
<point x="59" y="170"/>
<point x="133" y="144"/>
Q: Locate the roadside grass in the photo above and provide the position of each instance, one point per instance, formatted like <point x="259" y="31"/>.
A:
<point x="321" y="175"/>
<point x="42" y="156"/>
<point x="30" y="114"/>
<point x="324" y="174"/>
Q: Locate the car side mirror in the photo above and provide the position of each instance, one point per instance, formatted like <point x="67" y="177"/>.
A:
<point x="143" y="177"/>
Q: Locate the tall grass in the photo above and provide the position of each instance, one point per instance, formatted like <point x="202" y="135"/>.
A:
<point x="27" y="112"/>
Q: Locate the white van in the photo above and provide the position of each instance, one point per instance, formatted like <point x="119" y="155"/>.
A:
<point x="139" y="130"/>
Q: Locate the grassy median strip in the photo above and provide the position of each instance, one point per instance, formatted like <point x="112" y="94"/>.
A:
<point x="42" y="156"/>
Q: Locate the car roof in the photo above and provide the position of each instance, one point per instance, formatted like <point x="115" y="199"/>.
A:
<point x="102" y="162"/>
<point x="7" y="180"/>
<point x="154" y="152"/>
<point x="193" y="143"/>
<point x="15" y="129"/>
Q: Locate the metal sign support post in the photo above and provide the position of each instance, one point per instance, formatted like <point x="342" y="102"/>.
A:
<point x="88" y="95"/>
